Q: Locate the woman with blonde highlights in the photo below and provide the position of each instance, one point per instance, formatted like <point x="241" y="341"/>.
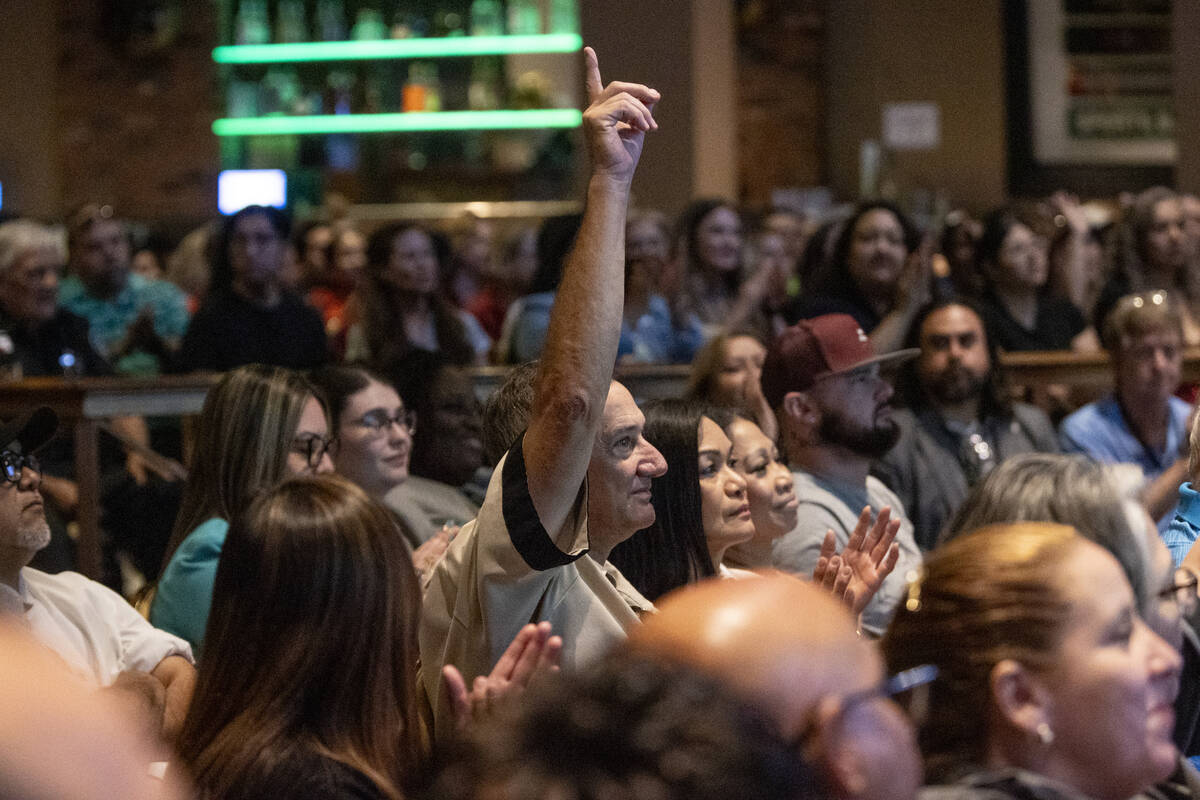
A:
<point x="259" y="425"/>
<point x="309" y="682"/>
<point x="1050" y="684"/>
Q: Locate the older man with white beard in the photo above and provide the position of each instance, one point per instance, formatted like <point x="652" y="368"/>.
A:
<point x="93" y="630"/>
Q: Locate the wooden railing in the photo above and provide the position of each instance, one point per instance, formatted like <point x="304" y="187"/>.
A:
<point x="81" y="403"/>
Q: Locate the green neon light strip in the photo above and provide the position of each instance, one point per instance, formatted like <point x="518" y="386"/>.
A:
<point x="397" y="48"/>
<point x="410" y="121"/>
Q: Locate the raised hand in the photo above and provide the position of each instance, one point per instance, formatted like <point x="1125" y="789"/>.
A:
<point x="831" y="574"/>
<point x="871" y="554"/>
<point x="616" y="121"/>
<point x="532" y="652"/>
<point x="914" y="289"/>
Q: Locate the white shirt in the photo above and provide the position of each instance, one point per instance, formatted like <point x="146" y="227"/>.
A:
<point x="91" y="627"/>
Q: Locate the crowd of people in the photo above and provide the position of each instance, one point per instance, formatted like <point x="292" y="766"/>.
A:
<point x="851" y="562"/>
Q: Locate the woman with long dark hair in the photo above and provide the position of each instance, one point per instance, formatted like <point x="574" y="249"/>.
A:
<point x="876" y="274"/>
<point x="709" y="242"/>
<point x="398" y="307"/>
<point x="700" y="507"/>
<point x="1018" y="308"/>
<point x="250" y="314"/>
<point x="703" y="509"/>
<point x="309" y="683"/>
<point x="259" y="424"/>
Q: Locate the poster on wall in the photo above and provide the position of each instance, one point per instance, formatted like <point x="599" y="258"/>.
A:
<point x="1100" y="82"/>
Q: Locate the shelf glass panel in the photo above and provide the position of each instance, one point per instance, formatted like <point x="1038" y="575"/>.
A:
<point x="397" y="48"/>
<point x="400" y="122"/>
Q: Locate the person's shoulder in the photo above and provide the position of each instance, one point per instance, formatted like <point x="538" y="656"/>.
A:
<point x="1027" y="413"/>
<point x="67" y="589"/>
<point x="216" y="305"/>
<point x="66" y="579"/>
<point x="203" y="541"/>
<point x="817" y="502"/>
<point x="880" y="495"/>
<point x="1091" y="416"/>
<point x="314" y="775"/>
<point x="68" y="320"/>
<point x="337" y="781"/>
<point x="70" y="290"/>
<point x="1180" y="409"/>
<point x="155" y="290"/>
<point x="294" y="304"/>
<point x="822" y="303"/>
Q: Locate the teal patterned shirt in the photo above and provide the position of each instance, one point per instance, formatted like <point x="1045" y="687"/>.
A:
<point x="108" y="320"/>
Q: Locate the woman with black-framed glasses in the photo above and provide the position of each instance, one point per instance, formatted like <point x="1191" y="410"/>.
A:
<point x="259" y="425"/>
<point x="1050" y="684"/>
<point x="373" y="427"/>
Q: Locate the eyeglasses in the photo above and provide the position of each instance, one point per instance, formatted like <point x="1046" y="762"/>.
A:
<point x="1182" y="591"/>
<point x="13" y="464"/>
<point x="378" y="420"/>
<point x="912" y="682"/>
<point x="909" y="689"/>
<point x="314" y="448"/>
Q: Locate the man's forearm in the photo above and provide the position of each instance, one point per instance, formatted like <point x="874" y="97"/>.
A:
<point x="584" y="332"/>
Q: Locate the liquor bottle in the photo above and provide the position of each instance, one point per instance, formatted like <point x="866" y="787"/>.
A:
<point x="290" y="24"/>
<point x="433" y="88"/>
<point x="564" y="16"/>
<point x="331" y="20"/>
<point x="368" y="25"/>
<point x="251" y="25"/>
<point x="524" y="17"/>
<point x="412" y="97"/>
<point x="482" y="92"/>
<point x="486" y="18"/>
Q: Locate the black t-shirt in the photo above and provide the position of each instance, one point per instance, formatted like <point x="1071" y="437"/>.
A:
<point x="229" y="331"/>
<point x="58" y="347"/>
<point x="1058" y="322"/>
<point x="309" y="776"/>
<point x="808" y="307"/>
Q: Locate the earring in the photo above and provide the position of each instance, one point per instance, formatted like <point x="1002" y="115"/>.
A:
<point x="1045" y="734"/>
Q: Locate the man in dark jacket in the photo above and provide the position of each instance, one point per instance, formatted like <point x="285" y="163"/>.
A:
<point x="959" y="422"/>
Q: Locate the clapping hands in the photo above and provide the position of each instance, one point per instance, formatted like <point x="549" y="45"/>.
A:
<point x="855" y="574"/>
<point x="532" y="652"/>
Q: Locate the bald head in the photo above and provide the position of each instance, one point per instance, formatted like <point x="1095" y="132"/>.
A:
<point x="775" y="637"/>
<point x="793" y="649"/>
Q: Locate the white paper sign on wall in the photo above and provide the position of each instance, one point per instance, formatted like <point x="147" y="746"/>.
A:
<point x="912" y="126"/>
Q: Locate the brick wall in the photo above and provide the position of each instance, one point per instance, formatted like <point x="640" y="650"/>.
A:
<point x="135" y="98"/>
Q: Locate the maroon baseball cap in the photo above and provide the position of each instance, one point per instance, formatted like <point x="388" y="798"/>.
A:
<point x="813" y="348"/>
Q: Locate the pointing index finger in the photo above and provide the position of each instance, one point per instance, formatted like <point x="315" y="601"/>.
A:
<point x="591" y="75"/>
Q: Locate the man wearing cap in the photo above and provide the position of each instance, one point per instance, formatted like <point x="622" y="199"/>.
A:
<point x="95" y="632"/>
<point x="823" y="379"/>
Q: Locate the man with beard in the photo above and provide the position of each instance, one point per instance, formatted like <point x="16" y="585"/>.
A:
<point x="98" y="636"/>
<point x="823" y="379"/>
<point x="959" y="422"/>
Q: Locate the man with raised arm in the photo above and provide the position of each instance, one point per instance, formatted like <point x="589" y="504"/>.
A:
<point x="578" y="481"/>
